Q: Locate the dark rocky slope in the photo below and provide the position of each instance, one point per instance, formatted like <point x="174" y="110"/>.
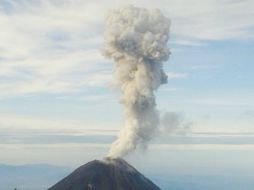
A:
<point x="108" y="174"/>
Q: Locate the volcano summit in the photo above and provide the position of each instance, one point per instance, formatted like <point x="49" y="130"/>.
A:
<point x="107" y="174"/>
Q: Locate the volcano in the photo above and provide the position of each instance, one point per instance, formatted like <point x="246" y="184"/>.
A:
<point x="107" y="174"/>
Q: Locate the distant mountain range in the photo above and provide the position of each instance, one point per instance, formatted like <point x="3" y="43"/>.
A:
<point x="30" y="177"/>
<point x="43" y="176"/>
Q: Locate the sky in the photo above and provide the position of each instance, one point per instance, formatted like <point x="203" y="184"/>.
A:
<point x="56" y="89"/>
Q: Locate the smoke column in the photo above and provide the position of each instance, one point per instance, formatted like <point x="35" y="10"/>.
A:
<point x="136" y="39"/>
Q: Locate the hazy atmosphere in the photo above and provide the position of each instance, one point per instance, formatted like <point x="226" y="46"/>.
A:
<point x="61" y="105"/>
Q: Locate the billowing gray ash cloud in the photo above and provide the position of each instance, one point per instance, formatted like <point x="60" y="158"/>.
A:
<point x="136" y="39"/>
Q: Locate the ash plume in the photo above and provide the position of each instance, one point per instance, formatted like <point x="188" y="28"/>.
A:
<point x="136" y="39"/>
<point x="174" y="123"/>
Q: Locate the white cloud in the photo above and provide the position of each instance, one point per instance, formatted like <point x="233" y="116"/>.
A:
<point x="54" y="46"/>
<point x="183" y="42"/>
<point x="24" y="123"/>
<point x="177" y="75"/>
<point x="203" y="146"/>
<point x="97" y="98"/>
<point x="224" y="101"/>
<point x="207" y="19"/>
<point x="153" y="146"/>
<point x="212" y="19"/>
<point x="49" y="48"/>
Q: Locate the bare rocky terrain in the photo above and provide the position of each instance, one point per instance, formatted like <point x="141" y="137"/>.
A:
<point x="108" y="174"/>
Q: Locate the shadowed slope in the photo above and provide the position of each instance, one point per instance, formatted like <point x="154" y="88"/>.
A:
<point x="109" y="174"/>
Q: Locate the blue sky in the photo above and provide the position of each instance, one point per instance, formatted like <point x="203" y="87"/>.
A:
<point x="53" y="78"/>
